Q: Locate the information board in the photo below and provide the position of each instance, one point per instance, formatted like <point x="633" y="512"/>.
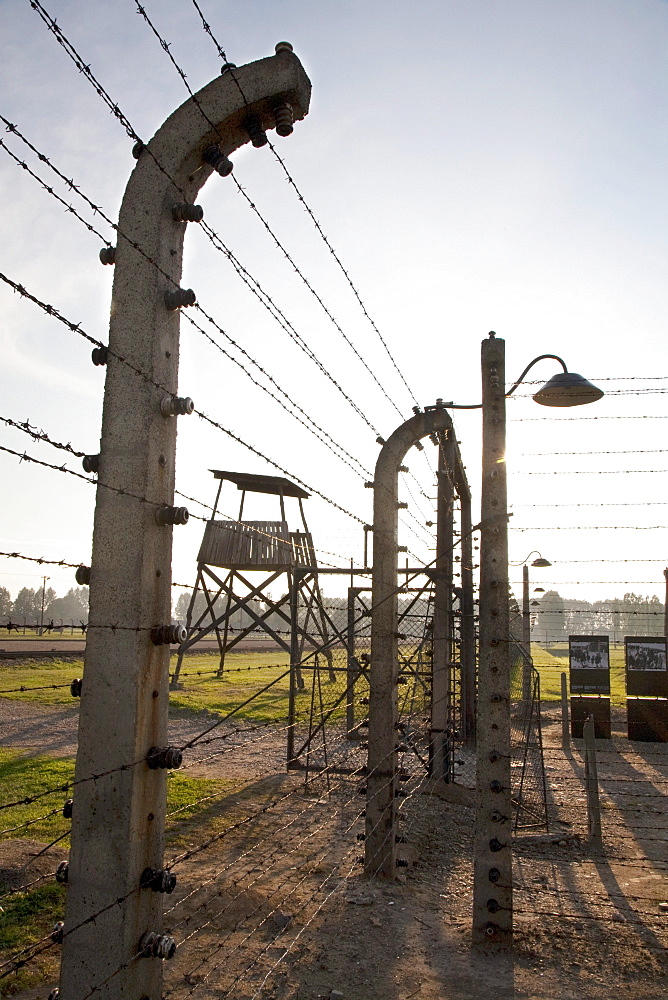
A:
<point x="646" y="672"/>
<point x="589" y="664"/>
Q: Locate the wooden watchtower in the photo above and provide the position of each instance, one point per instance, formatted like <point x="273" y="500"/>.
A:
<point x="267" y="547"/>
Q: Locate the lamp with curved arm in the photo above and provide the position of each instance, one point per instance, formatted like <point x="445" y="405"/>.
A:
<point x="563" y="389"/>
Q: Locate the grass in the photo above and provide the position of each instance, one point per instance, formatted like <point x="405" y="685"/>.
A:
<point x="27" y="917"/>
<point x="552" y="661"/>
<point x="41" y="675"/>
<point x="195" y="804"/>
<point x="32" y="635"/>
<point x="245" y="675"/>
<point x="24" y="777"/>
<point x="247" y="672"/>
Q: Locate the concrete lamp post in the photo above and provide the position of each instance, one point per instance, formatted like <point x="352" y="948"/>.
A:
<point x="526" y="614"/>
<point x="493" y="895"/>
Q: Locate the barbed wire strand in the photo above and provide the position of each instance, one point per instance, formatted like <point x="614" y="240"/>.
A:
<point x="302" y="200"/>
<point x="166" y="47"/>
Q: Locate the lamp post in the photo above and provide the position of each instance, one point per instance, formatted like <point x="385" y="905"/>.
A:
<point x="41" y="614"/>
<point x="526" y="617"/>
<point x="492" y="888"/>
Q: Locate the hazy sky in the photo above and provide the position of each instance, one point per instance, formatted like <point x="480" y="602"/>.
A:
<point x="477" y="164"/>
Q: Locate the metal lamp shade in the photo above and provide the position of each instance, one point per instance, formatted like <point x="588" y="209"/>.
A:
<point x="567" y="389"/>
<point x="541" y="562"/>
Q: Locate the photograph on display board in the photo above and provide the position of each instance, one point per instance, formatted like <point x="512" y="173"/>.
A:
<point x="589" y="662"/>
<point x="646" y="672"/>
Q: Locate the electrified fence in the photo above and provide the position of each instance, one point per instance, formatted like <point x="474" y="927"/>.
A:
<point x="302" y="756"/>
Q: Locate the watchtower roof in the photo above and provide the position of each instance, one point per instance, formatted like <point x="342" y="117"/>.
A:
<point x="262" y="484"/>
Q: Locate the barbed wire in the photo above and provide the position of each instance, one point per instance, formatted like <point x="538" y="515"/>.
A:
<point x="76" y="328"/>
<point x="25" y="457"/>
<point x="524" y="420"/>
<point x="115" y="110"/>
<point x="43" y="436"/>
<point x="245" y="854"/>
<point x="594" y="611"/>
<point x="590" y="472"/>
<point x="244" y="972"/>
<point x="279" y="316"/>
<point x="243" y="877"/>
<point x="68" y="208"/>
<point x="38" y="435"/>
<point x="636" y="503"/>
<point x="589" y="527"/>
<point x="310" y="423"/>
<point x="307" y="923"/>
<point x="31" y="822"/>
<point x="301" y="198"/>
<point x="28" y="885"/>
<point x="265" y="868"/>
<point x="635" y="451"/>
<point x="41" y="687"/>
<point x="41" y="560"/>
<point x="166" y="47"/>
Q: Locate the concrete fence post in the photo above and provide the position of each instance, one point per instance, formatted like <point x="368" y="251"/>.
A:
<point x="527" y="662"/>
<point x="118" y="817"/>
<point x="492" y="875"/>
<point x="591" y="784"/>
<point x="565" y="725"/>
<point x="352" y="665"/>
<point x="467" y="653"/>
<point x="442" y="629"/>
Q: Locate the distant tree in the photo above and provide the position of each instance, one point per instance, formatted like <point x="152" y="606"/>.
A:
<point x="72" y="607"/>
<point x="551" y="619"/>
<point x="648" y="615"/>
<point x="6" y="602"/>
<point x="616" y="614"/>
<point x="641" y="615"/>
<point x="27" y="603"/>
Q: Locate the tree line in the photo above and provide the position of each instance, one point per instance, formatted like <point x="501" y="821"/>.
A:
<point x="28" y="605"/>
<point x="554" y="617"/>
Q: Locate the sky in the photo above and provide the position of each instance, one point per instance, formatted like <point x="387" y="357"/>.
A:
<point x="476" y="164"/>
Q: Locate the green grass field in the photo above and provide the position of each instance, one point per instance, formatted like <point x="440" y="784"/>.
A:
<point x="7" y="638"/>
<point x="28" y="916"/>
<point x="206" y="805"/>
<point x="24" y="777"/>
<point x="245" y="675"/>
<point x="247" y="672"/>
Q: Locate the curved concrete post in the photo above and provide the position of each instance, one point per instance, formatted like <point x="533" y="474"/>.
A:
<point x="379" y="844"/>
<point x="118" y="819"/>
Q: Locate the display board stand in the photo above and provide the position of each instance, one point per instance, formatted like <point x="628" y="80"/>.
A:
<point x="589" y="671"/>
